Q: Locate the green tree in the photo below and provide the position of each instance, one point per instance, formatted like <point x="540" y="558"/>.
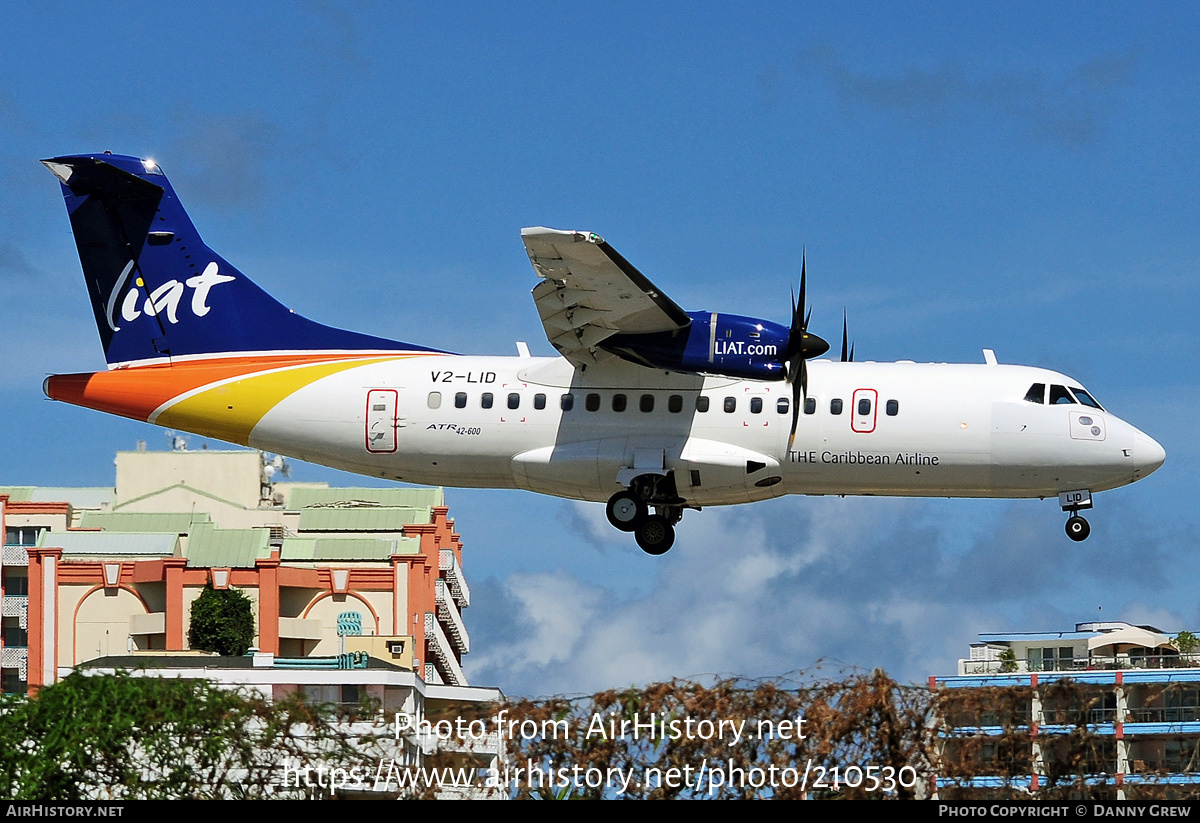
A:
<point x="222" y="622"/>
<point x="135" y="737"/>
<point x="1186" y="642"/>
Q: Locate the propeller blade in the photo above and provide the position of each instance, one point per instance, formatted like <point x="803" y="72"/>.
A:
<point x="799" y="390"/>
<point x="803" y="279"/>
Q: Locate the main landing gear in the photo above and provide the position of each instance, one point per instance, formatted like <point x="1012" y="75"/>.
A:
<point x="1078" y="529"/>
<point x="629" y="511"/>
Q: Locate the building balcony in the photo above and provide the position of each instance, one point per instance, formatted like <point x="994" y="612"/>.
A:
<point x="1080" y="664"/>
<point x="448" y="667"/>
<point x="153" y="623"/>
<point x="15" y="556"/>
<point x="16" y="605"/>
<point x="449" y="615"/>
<point x="299" y="628"/>
<point x="452" y="573"/>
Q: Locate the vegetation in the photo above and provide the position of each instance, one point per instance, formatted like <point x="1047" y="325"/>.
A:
<point x="1186" y="642"/>
<point x="130" y="737"/>
<point x="222" y="622"/>
<point x="860" y="736"/>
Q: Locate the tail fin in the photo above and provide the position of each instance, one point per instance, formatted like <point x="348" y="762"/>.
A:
<point x="157" y="291"/>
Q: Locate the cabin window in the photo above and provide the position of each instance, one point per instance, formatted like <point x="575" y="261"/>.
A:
<point x="485" y="401"/>
<point x="835" y="406"/>
<point x="730" y="405"/>
<point x="592" y="402"/>
<point x="864" y="406"/>
<point x="756" y="405"/>
<point x="460" y="400"/>
<point x="701" y="404"/>
<point x="1036" y="393"/>
<point x="810" y="405"/>
<point x="646" y="404"/>
<point x="620" y="401"/>
<point x="675" y="403"/>
<point x="539" y="401"/>
<point x="566" y="402"/>
<point x="1059" y="396"/>
<point x="893" y="408"/>
<point x="435" y="400"/>
<point x="782" y="405"/>
<point x="1085" y="398"/>
<point x="514" y="400"/>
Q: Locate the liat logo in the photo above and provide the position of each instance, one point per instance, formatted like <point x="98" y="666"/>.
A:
<point x="165" y="298"/>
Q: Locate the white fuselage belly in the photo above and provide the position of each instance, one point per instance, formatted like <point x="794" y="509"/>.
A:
<point x="957" y="430"/>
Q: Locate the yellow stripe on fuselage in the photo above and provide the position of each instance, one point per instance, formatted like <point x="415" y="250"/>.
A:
<point x="231" y="410"/>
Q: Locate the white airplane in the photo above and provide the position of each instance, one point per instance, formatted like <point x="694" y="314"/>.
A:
<point x="650" y="409"/>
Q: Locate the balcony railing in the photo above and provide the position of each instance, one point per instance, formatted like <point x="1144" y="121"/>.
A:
<point x="1080" y="664"/>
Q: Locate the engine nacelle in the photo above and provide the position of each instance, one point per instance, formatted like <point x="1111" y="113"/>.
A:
<point x="725" y="344"/>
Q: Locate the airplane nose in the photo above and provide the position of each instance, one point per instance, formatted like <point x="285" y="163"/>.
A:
<point x="1147" y="455"/>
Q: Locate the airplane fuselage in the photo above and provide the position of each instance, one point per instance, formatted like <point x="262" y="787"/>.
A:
<point x="908" y="429"/>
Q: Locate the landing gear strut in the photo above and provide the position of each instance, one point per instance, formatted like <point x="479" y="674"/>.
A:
<point x="1078" y="529"/>
<point x="629" y="511"/>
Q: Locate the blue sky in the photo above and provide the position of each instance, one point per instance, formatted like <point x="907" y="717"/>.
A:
<point x="962" y="177"/>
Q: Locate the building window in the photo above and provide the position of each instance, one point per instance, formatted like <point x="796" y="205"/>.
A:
<point x="16" y="585"/>
<point x="14" y="635"/>
<point x="12" y="682"/>
<point x="22" y="535"/>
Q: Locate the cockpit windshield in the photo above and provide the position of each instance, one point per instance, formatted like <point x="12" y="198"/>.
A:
<point x="1085" y="398"/>
<point x="1060" y="396"/>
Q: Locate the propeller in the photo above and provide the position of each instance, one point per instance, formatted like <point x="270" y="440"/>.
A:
<point x="845" y="358"/>
<point x="801" y="346"/>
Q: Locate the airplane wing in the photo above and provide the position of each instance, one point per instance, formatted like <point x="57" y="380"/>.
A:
<point x="589" y="293"/>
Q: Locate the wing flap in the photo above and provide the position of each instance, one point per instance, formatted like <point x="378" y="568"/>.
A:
<point x="590" y="293"/>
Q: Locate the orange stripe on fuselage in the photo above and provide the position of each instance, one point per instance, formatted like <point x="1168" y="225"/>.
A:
<point x="136" y="392"/>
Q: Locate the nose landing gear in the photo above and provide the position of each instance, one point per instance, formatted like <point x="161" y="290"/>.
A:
<point x="1078" y="529"/>
<point x="629" y="511"/>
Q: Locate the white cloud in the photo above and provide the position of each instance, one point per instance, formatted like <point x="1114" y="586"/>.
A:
<point x="769" y="589"/>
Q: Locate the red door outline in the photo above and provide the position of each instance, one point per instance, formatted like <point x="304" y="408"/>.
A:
<point x="864" y="423"/>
